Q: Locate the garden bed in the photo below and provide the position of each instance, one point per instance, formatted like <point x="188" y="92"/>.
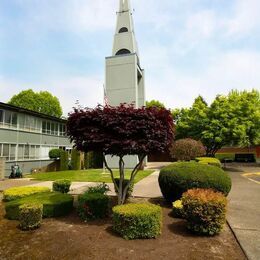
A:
<point x="69" y="237"/>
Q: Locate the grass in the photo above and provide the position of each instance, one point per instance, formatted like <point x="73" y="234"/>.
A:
<point x="92" y="175"/>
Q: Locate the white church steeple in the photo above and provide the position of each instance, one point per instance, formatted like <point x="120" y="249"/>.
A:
<point x="124" y="39"/>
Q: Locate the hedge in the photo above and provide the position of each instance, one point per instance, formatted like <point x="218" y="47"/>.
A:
<point x="64" y="161"/>
<point x="93" y="206"/>
<point x="55" y="204"/>
<point x="209" y="161"/>
<point x="205" y="211"/>
<point x="134" y="221"/>
<point x="62" y="186"/>
<point x="223" y="156"/>
<point x="20" y="192"/>
<point x="30" y="216"/>
<point x="75" y="160"/>
<point x="93" y="160"/>
<point x="179" y="177"/>
<point x="54" y="153"/>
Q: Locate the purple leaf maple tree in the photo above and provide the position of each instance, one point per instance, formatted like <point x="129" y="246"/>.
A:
<point x="120" y="131"/>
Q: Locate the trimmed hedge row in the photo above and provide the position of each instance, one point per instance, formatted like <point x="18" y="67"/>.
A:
<point x="62" y="186"/>
<point x="133" y="221"/>
<point x="179" y="177"/>
<point x="55" y="204"/>
<point x="30" y="216"/>
<point x="20" y="192"/>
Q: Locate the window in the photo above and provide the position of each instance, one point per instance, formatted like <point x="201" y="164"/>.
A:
<point x="14" y="119"/>
<point x="6" y="151"/>
<point x="32" y="152"/>
<point x="1" y="116"/>
<point x="12" y="152"/>
<point x="123" y="51"/>
<point x="20" y="151"/>
<point x="123" y="29"/>
<point x="26" y="151"/>
<point x="8" y="117"/>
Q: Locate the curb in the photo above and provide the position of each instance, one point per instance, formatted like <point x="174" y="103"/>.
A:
<point x="240" y="245"/>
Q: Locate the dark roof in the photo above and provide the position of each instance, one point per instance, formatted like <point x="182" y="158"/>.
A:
<point x="30" y="112"/>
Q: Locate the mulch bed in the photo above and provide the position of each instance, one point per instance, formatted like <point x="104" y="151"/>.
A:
<point x="70" y="238"/>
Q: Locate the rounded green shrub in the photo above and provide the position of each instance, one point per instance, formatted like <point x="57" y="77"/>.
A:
<point x="55" y="154"/>
<point x="93" y="206"/>
<point x="205" y="211"/>
<point x="30" y="216"/>
<point x="209" y="161"/>
<point x="187" y="149"/>
<point x="62" y="186"/>
<point x="55" y="204"/>
<point x="20" y="192"/>
<point x="133" y="221"/>
<point x="179" y="177"/>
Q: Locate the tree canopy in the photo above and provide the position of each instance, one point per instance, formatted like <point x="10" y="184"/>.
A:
<point x="230" y="120"/>
<point x="120" y="131"/>
<point x="42" y="102"/>
<point x="154" y="103"/>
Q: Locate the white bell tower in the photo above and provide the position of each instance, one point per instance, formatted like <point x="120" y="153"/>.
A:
<point x="124" y="75"/>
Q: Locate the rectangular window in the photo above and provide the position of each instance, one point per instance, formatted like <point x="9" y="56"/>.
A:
<point x="48" y="127"/>
<point x="21" y="121"/>
<point x="56" y="129"/>
<point x="20" y="151"/>
<point x="6" y="151"/>
<point x="8" y="117"/>
<point x="37" y="152"/>
<point x="26" y="151"/>
<point x="12" y="152"/>
<point x="1" y="116"/>
<point x="14" y="119"/>
<point x="32" y="152"/>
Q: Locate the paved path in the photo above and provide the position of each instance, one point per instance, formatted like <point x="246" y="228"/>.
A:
<point x="244" y="211"/>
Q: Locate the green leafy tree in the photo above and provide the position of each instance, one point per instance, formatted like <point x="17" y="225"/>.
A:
<point x="42" y="102"/>
<point x="230" y="120"/>
<point x="154" y="103"/>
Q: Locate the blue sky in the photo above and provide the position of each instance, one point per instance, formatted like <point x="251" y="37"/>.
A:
<point x="187" y="47"/>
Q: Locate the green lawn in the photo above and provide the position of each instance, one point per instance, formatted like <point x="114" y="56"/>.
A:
<point x="92" y="175"/>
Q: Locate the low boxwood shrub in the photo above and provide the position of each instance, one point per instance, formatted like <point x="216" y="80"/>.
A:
<point x="92" y="206"/>
<point x="55" y="204"/>
<point x="20" y="192"/>
<point x="187" y="149"/>
<point x="100" y="188"/>
<point x="177" y="209"/>
<point x="30" y="216"/>
<point x="62" y="186"/>
<point x="125" y="182"/>
<point x="133" y="221"/>
<point x="209" y="161"/>
<point x="179" y="177"/>
<point x="205" y="211"/>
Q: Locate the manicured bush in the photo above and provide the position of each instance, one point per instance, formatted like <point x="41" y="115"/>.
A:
<point x="62" y="186"/>
<point x="54" y="154"/>
<point x="225" y="156"/>
<point x="75" y="160"/>
<point x="209" y="161"/>
<point x="182" y="176"/>
<point x="30" y="216"/>
<point x="125" y="182"/>
<point x="101" y="188"/>
<point x="93" y="206"/>
<point x="20" y="192"/>
<point x="93" y="160"/>
<point x="177" y="209"/>
<point x="55" y="204"/>
<point x="133" y="221"/>
<point x="64" y="161"/>
<point x="187" y="149"/>
<point x="205" y="211"/>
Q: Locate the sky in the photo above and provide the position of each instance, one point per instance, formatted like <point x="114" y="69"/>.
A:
<point x="187" y="48"/>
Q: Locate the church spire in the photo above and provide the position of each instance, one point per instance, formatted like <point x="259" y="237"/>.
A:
<point x="124" y="6"/>
<point x="124" y="39"/>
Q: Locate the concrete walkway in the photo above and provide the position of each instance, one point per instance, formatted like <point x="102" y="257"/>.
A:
<point x="244" y="211"/>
